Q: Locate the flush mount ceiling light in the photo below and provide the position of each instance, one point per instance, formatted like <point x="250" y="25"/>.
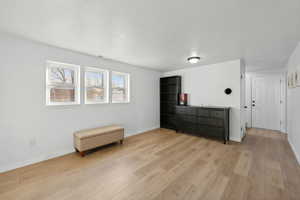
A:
<point x="193" y="59"/>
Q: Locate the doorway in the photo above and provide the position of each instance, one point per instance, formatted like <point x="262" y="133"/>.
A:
<point x="266" y="101"/>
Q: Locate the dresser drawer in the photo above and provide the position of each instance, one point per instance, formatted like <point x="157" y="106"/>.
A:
<point x="210" y="131"/>
<point x="186" y="110"/>
<point x="210" y="121"/>
<point x="203" y="112"/>
<point x="217" y="114"/>
<point x="216" y="132"/>
<point x="186" y="118"/>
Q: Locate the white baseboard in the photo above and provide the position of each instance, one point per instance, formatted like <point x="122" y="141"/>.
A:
<point x="56" y="154"/>
<point x="34" y="160"/>
<point x="294" y="150"/>
<point x="235" y="139"/>
<point x="141" y="131"/>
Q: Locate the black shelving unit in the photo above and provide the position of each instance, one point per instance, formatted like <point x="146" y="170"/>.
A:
<point x="170" y="88"/>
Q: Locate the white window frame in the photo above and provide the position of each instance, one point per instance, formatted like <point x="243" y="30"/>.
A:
<point x="127" y="83"/>
<point x="76" y="68"/>
<point x="106" y="85"/>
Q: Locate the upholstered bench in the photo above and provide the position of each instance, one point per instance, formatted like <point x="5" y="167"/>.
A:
<point x="96" y="137"/>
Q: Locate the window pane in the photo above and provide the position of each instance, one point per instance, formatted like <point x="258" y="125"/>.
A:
<point x="95" y="94"/>
<point x="59" y="75"/>
<point x="62" y="95"/>
<point x="118" y="81"/>
<point x="62" y="83"/>
<point x="119" y="90"/>
<point x="94" y="79"/>
<point x="95" y="86"/>
<point x="119" y="94"/>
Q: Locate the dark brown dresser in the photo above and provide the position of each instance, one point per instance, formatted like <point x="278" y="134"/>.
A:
<point x="203" y="121"/>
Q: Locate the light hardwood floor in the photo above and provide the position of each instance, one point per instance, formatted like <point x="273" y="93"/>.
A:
<point x="162" y="164"/>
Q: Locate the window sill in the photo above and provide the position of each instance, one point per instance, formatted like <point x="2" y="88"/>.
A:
<point x="94" y="103"/>
<point x="62" y="104"/>
<point x="120" y="102"/>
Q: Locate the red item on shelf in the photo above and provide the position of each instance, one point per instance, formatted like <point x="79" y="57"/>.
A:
<point x="183" y="98"/>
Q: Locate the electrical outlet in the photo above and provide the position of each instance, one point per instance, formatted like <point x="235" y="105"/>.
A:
<point x="32" y="142"/>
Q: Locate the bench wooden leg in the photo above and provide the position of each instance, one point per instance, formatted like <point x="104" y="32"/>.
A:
<point x="82" y="153"/>
<point x="121" y="141"/>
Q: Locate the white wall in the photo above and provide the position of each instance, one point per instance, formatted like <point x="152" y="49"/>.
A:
<point x="293" y="106"/>
<point x="31" y="131"/>
<point x="205" y="85"/>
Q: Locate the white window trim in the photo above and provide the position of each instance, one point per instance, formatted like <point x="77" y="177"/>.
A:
<point x="128" y="86"/>
<point x="106" y="74"/>
<point x="76" y="69"/>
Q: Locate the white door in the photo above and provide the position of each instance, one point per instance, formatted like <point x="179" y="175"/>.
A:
<point x="266" y="102"/>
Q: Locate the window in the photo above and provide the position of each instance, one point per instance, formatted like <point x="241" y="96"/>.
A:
<point x="96" y="85"/>
<point x="120" y="87"/>
<point x="62" y="84"/>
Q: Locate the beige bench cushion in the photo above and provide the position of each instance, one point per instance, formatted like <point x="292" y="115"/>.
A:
<point x="96" y="137"/>
<point x="97" y="131"/>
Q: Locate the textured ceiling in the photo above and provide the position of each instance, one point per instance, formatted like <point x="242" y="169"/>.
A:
<point x="161" y="34"/>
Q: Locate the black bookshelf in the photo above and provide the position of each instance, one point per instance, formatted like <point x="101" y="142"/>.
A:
<point x="170" y="88"/>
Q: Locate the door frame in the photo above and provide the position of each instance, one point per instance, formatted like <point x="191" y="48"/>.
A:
<point x="283" y="96"/>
